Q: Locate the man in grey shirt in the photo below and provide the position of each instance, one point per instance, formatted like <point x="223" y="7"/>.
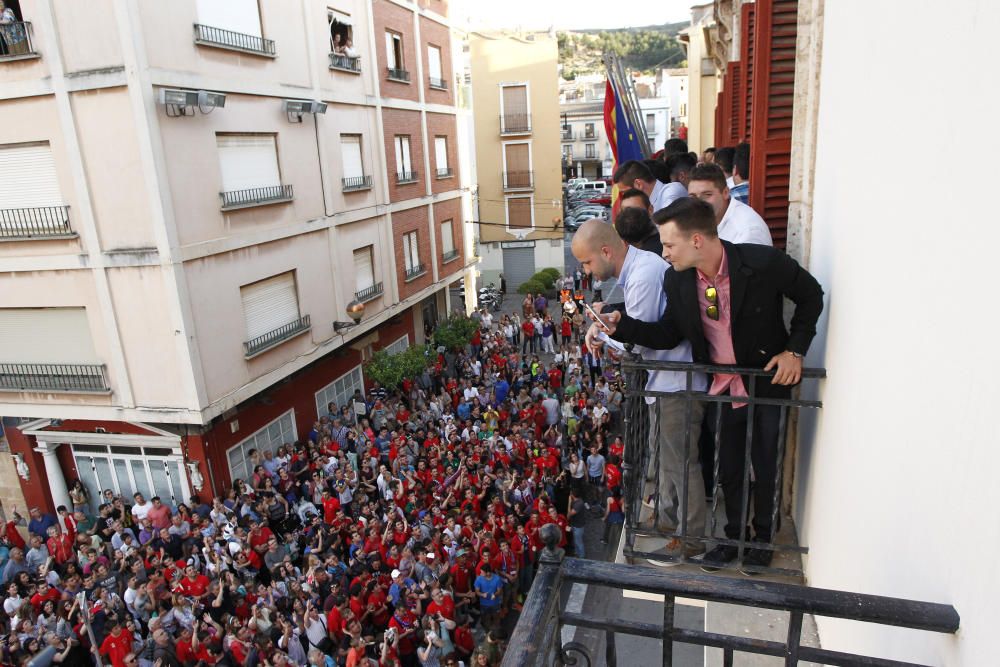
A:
<point x="275" y="554"/>
<point x="37" y="554"/>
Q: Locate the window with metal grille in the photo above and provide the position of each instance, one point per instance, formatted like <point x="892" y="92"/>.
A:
<point x="351" y="157"/>
<point x="411" y="252"/>
<point x="519" y="213"/>
<point x="364" y="268"/>
<point x="404" y="167"/>
<point x="394" y="50"/>
<point x="239" y="16"/>
<point x="447" y="238"/>
<point x="441" y="156"/>
<point x="269" y="304"/>
<point x="279" y="432"/>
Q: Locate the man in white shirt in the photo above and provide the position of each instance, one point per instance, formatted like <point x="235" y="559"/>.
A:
<point x="737" y="222"/>
<point x="141" y="507"/>
<point x="601" y="251"/>
<point x="635" y="174"/>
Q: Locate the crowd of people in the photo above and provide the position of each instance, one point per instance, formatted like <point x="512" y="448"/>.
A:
<point x="404" y="530"/>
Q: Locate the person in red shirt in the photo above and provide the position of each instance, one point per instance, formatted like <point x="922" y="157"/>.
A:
<point x="60" y="546"/>
<point x="560" y="520"/>
<point x="44" y="592"/>
<point x="566" y="329"/>
<point x="192" y="584"/>
<point x="555" y="380"/>
<point x="331" y="505"/>
<point x="117" y="644"/>
<point x="612" y="473"/>
<point x="441" y="603"/>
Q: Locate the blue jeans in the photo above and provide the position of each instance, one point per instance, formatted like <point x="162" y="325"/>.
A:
<point x="578" y="542"/>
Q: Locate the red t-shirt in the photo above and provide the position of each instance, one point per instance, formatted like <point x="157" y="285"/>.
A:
<point x="117" y="648"/>
<point x="195" y="588"/>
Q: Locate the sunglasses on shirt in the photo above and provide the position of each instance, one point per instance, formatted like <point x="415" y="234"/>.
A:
<point x="712" y="310"/>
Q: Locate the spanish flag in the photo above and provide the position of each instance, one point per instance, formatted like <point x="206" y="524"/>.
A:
<point x="621" y="135"/>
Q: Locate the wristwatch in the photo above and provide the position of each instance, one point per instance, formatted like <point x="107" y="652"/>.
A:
<point x="795" y="354"/>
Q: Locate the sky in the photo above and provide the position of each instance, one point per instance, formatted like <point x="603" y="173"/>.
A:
<point x="568" y="14"/>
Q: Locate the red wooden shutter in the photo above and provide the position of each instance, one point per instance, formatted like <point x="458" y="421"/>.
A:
<point x="719" y="108"/>
<point x="771" y="125"/>
<point x="735" y="86"/>
<point x="746" y="58"/>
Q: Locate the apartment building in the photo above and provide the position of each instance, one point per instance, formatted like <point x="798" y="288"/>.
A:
<point x="212" y="213"/>
<point x="519" y="204"/>
<point x="586" y="152"/>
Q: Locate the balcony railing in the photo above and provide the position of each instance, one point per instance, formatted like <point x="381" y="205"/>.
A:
<point x="537" y="638"/>
<point x="53" y="377"/>
<point x="255" y="346"/>
<point x="440" y="84"/>
<point x="567" y="135"/>
<point x="515" y="123"/>
<point x="398" y="74"/>
<point x="449" y="255"/>
<point x="273" y="194"/>
<point x="227" y="39"/>
<point x="518" y="180"/>
<point x="369" y="293"/>
<point x="415" y="271"/>
<point x="447" y="172"/>
<point x="406" y="177"/>
<point x="15" y="41"/>
<point x="345" y="63"/>
<point x="38" y="222"/>
<point x="589" y="134"/>
<point x="355" y="183"/>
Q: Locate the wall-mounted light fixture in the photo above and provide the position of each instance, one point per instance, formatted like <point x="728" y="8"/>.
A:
<point x="355" y="310"/>
<point x="295" y="109"/>
<point x="179" y="102"/>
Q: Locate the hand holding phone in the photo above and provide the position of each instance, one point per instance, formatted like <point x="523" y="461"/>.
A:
<point x="595" y="316"/>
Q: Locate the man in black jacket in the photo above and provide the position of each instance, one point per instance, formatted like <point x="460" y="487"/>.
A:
<point x="727" y="300"/>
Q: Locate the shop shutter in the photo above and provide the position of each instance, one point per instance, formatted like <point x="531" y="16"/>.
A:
<point x="28" y="177"/>
<point x="748" y="12"/>
<point x="773" y="98"/>
<point x="350" y="153"/>
<point x="46" y="336"/>
<point x="518" y="266"/>
<point x="237" y="15"/>
<point x="269" y="304"/>
<point x="248" y="161"/>
<point x="364" y="273"/>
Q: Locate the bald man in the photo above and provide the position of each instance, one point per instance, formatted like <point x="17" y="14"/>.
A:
<point x="602" y="253"/>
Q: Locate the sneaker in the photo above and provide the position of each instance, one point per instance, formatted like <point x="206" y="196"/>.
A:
<point x="756" y="558"/>
<point x="676" y="549"/>
<point x="715" y="559"/>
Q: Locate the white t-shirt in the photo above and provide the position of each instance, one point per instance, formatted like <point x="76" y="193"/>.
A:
<point x="742" y="224"/>
<point x="665" y="194"/>
<point x="140" y="511"/>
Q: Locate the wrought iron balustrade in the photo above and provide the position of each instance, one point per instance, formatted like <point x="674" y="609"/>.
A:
<point x="447" y="172"/>
<point x="398" y="74"/>
<point x="212" y="36"/>
<point x="266" y="341"/>
<point x="406" y="177"/>
<point x="356" y="183"/>
<point x="440" y="84"/>
<point x="515" y="123"/>
<point x="415" y="271"/>
<point x="53" y="377"/>
<point x="449" y="255"/>
<point x="272" y="194"/>
<point x="537" y="638"/>
<point x="40" y="221"/>
<point x="518" y="180"/>
<point x="346" y="63"/>
<point x="15" y="41"/>
<point x="369" y="293"/>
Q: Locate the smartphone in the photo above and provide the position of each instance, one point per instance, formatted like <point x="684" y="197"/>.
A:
<point x="597" y="318"/>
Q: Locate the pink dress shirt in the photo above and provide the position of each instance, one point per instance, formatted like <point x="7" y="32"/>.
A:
<point x="719" y="333"/>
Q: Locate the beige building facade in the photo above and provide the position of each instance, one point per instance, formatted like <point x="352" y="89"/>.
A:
<point x="703" y="80"/>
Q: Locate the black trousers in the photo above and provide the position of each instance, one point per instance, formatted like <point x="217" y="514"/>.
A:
<point x="763" y="457"/>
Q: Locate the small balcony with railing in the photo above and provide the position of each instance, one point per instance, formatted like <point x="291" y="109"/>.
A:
<point x="39" y="222"/>
<point x="220" y="38"/>
<point x="444" y="172"/>
<point x="72" y="378"/>
<point x="406" y="177"/>
<point x="345" y="63"/>
<point x="437" y="84"/>
<point x="515" y="123"/>
<point x="369" y="293"/>
<point x="356" y="183"/>
<point x="249" y="197"/>
<point x="449" y="255"/>
<point x="397" y="74"/>
<point x="15" y="42"/>
<point x="589" y="133"/>
<point x="275" y="337"/>
<point x="566" y="135"/>
<point x="518" y="180"/>
<point x="415" y="271"/>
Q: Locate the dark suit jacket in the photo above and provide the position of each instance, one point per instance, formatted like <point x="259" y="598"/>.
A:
<point x="759" y="278"/>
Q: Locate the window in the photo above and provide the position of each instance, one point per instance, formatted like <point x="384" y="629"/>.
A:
<point x="398" y="346"/>
<point x="341" y="32"/>
<point x="651" y="123"/>
<point x="588" y="131"/>
<point x="394" y="50"/>
<point x="30" y="200"/>
<point x="591" y="150"/>
<point x="514" y="105"/>
<point x="46" y="336"/>
<point x="249" y="164"/>
<point x="441" y="156"/>
<point x="447" y="240"/>
<point x="364" y="271"/>
<point x="404" y="168"/>
<point x="350" y="155"/>
<point x="568" y="152"/>
<point x="269" y="304"/>
<point x="411" y="254"/>
<point x="434" y="72"/>
<point x="519" y="213"/>
<point x="279" y="432"/>
<point x="517" y="165"/>
<point x="241" y="16"/>
<point x="339" y="391"/>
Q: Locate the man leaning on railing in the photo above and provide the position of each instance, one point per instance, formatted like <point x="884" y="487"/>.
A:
<point x="726" y="300"/>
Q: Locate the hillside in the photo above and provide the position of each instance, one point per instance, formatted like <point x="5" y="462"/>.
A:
<point x="642" y="49"/>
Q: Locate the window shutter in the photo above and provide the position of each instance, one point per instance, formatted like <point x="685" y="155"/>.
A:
<point x="746" y="58"/>
<point x="773" y="96"/>
<point x="236" y="15"/>
<point x="390" y="51"/>
<point x="364" y="274"/>
<point x="248" y="161"/>
<point x="28" y="177"/>
<point x="350" y="153"/>
<point x="447" y="241"/>
<point x="46" y="336"/>
<point x="732" y="111"/>
<point x="515" y="100"/>
<point x="406" y="252"/>
<point x="269" y="304"/>
<point x="441" y="152"/>
<point x="403" y="154"/>
<point x="516" y="156"/>
<point x="434" y="62"/>
<point x="519" y="213"/>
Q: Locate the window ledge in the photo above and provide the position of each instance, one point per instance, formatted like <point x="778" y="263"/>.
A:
<point x="39" y="237"/>
<point x="238" y="49"/>
<point x="410" y="279"/>
<point x="278" y="341"/>
<point x="446" y="259"/>
<point x="20" y="56"/>
<point x="254" y="204"/>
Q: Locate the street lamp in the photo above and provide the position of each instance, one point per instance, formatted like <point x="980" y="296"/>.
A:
<point x="355" y="310"/>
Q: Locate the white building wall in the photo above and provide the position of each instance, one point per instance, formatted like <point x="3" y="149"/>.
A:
<point x="897" y="481"/>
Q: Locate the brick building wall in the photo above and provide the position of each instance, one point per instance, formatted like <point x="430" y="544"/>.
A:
<point x="443" y="124"/>
<point x="433" y="33"/>
<point x="449" y="210"/>
<point x="403" y="222"/>
<point x="403" y="122"/>
<point x="389" y="16"/>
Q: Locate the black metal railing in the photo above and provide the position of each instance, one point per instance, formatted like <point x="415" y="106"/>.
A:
<point x="537" y="638"/>
<point x="256" y="196"/>
<point x="369" y="293"/>
<point x="356" y="183"/>
<point x="406" y="177"/>
<point x="53" y="377"/>
<point x="15" y="41"/>
<point x="515" y="123"/>
<point x="415" y="271"/>
<point x="447" y="172"/>
<point x="39" y="221"/>
<point x="590" y="154"/>
<point x="642" y="471"/>
<point x="212" y="36"/>
<point x="449" y="255"/>
<point x="440" y="84"/>
<point x="345" y="63"/>
<point x="266" y="341"/>
<point x="398" y="74"/>
<point x="567" y="135"/>
<point x="518" y="180"/>
<point x="589" y="134"/>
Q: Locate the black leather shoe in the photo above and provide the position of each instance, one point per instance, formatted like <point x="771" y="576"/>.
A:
<point x="756" y="558"/>
<point x="715" y="559"/>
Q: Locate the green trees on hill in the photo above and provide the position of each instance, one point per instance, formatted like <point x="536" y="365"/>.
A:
<point x="641" y="49"/>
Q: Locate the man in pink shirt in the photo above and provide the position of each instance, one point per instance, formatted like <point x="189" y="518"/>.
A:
<point x="159" y="514"/>
<point x="727" y="300"/>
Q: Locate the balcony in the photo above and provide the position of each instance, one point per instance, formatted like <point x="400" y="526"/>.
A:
<point x="449" y="255"/>
<point x="397" y="74"/>
<point x="437" y="84"/>
<point x="414" y="272"/>
<point x="369" y="293"/>
<point x="518" y="180"/>
<point x="567" y="135"/>
<point x="265" y="342"/>
<point x="207" y="35"/>
<point x="273" y="194"/>
<point x="42" y="222"/>
<point x="17" y="38"/>
<point x="345" y="63"/>
<point x="76" y="378"/>
<point x="356" y="183"/>
<point x="404" y="177"/>
<point x="447" y="172"/>
<point x="515" y="123"/>
<point x="589" y="134"/>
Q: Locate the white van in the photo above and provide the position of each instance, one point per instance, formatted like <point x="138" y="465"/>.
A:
<point x="594" y="186"/>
